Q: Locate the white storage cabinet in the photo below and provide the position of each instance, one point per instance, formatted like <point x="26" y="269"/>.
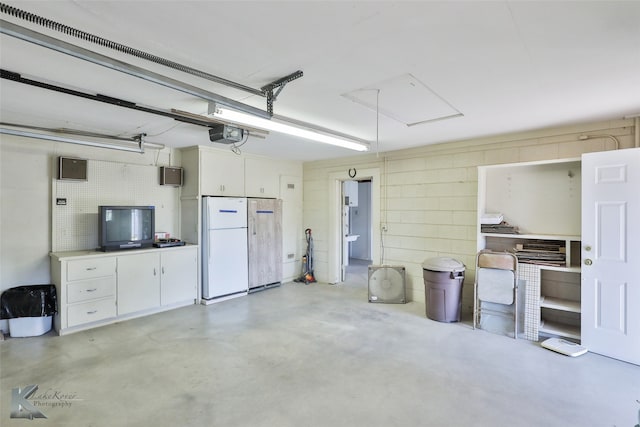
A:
<point x="97" y="288"/>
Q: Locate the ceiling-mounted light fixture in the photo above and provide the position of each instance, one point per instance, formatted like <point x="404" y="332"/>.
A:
<point x="139" y="148"/>
<point x="290" y="129"/>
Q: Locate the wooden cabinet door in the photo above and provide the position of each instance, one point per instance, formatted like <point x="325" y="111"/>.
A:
<point x="138" y="282"/>
<point x="179" y="280"/>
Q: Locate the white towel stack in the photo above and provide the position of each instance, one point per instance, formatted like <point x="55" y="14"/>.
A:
<point x="491" y="218"/>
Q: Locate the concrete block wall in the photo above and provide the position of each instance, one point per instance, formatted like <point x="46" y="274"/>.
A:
<point x="429" y="193"/>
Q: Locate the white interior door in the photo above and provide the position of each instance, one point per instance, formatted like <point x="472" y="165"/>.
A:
<point x="611" y="254"/>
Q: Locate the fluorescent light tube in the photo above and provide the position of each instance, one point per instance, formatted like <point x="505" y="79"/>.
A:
<point x="249" y="120"/>
<point x="25" y="134"/>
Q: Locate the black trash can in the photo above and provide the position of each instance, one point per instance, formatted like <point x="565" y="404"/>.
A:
<point x="443" y="278"/>
<point x="29" y="309"/>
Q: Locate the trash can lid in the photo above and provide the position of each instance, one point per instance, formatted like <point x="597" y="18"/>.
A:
<point x="443" y="264"/>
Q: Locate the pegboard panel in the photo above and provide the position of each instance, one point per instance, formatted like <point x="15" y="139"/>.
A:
<point x="75" y="225"/>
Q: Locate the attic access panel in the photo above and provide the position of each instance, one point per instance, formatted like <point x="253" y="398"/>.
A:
<point x="405" y="99"/>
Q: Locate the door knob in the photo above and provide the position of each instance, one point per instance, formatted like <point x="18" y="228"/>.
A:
<point x="588" y="262"/>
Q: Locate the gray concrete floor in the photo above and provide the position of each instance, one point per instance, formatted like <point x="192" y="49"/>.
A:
<point x="311" y="355"/>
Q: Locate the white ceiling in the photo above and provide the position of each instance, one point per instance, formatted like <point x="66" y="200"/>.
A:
<point x="505" y="65"/>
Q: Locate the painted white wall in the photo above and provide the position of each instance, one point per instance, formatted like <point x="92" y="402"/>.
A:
<point x="26" y="184"/>
<point x="429" y="194"/>
<point x="25" y="224"/>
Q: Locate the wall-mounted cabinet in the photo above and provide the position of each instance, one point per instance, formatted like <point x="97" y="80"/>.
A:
<point x="262" y="178"/>
<point x="541" y="206"/>
<point x="211" y="172"/>
<point x="221" y="174"/>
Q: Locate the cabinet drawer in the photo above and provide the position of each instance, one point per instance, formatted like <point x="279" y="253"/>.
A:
<point x="91" y="289"/>
<point x="91" y="311"/>
<point x="90" y="268"/>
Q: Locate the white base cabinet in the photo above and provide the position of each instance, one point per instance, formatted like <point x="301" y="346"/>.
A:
<point x="97" y="288"/>
<point x="179" y="276"/>
<point x="138" y="282"/>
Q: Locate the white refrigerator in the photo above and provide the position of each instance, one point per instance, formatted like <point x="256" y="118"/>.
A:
<point x="224" y="248"/>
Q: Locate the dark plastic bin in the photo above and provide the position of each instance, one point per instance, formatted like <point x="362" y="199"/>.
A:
<point x="29" y="309"/>
<point x="28" y="301"/>
<point x="443" y="279"/>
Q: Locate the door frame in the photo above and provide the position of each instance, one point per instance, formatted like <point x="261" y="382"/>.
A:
<point x="335" y="218"/>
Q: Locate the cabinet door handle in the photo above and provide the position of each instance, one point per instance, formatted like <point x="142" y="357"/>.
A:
<point x="92" y="312"/>
<point x="162" y="269"/>
<point x="154" y="271"/>
<point x="91" y="268"/>
<point x="92" y="290"/>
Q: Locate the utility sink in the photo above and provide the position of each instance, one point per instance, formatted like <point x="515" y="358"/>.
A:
<point x="352" y="237"/>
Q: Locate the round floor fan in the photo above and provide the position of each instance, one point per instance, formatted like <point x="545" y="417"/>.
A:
<point x="387" y="284"/>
